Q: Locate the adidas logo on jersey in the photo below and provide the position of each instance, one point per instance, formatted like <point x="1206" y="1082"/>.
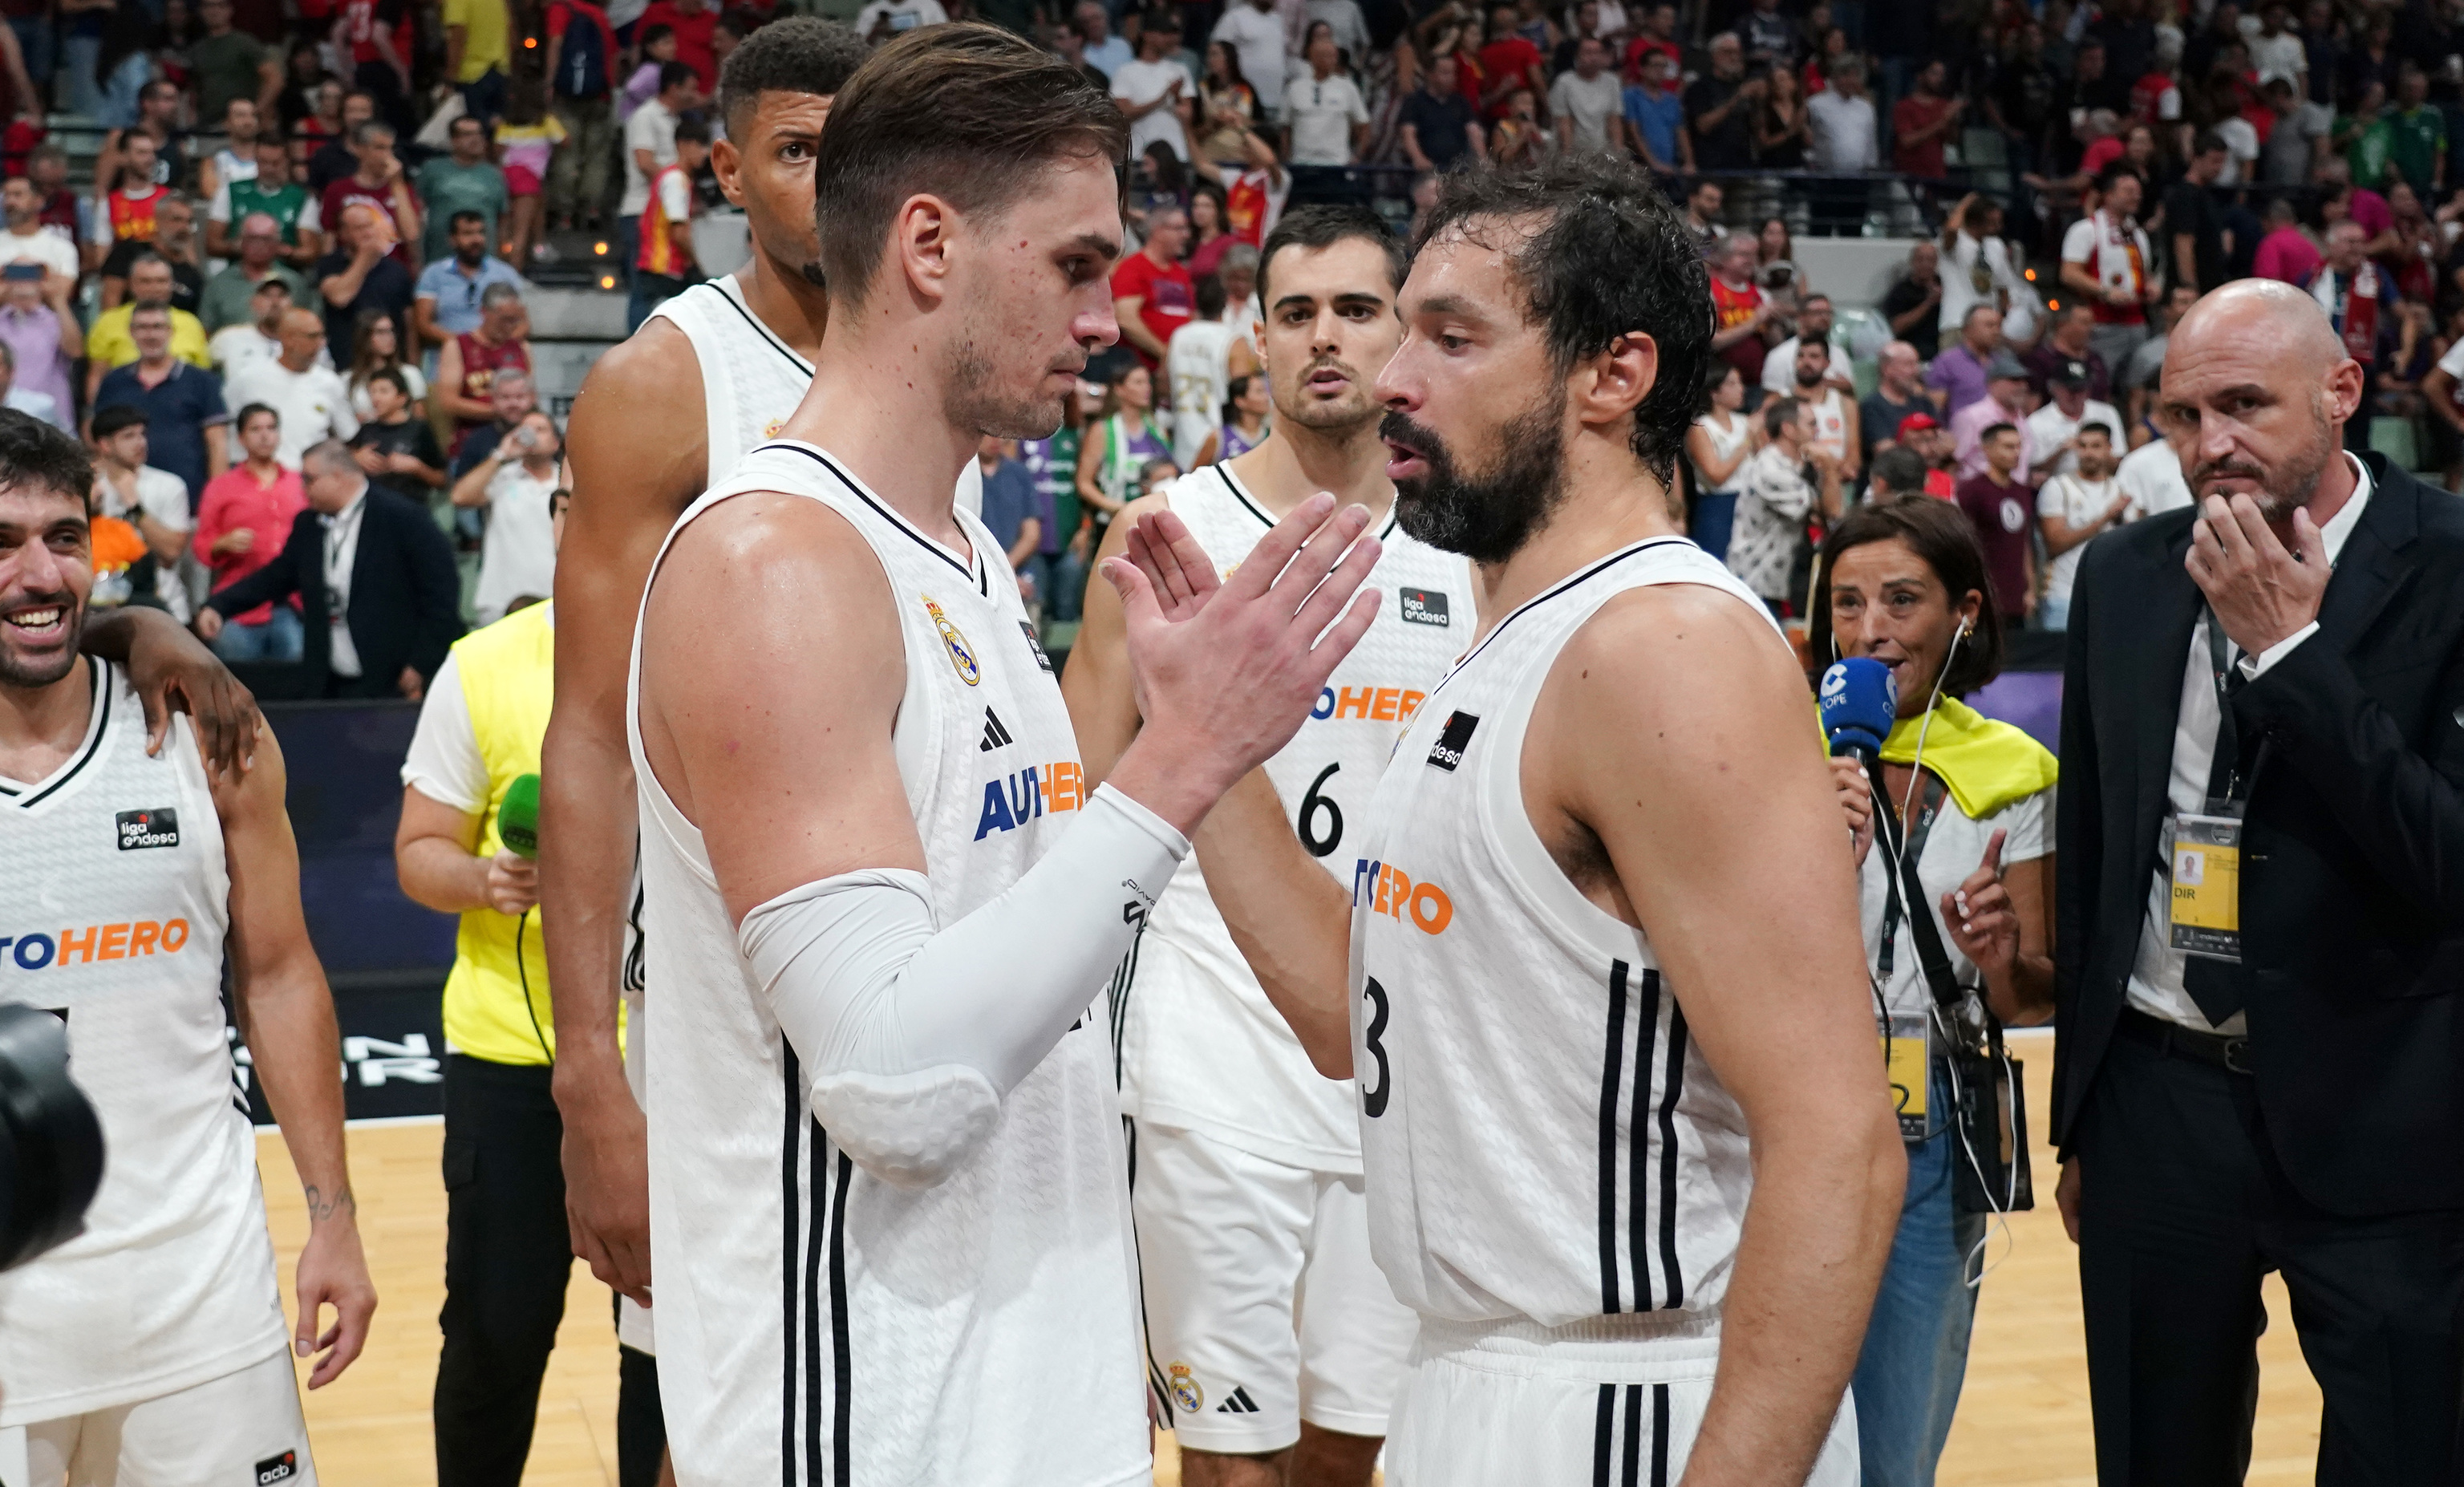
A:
<point x="1376" y="704"/>
<point x="1425" y="606"/>
<point x="140" y="829"/>
<point x="1014" y="799"/>
<point x="996" y="737"/>
<point x="1392" y="892"/>
<point x="1448" y="750"/>
<point x="96" y="942"/>
<point x="1238" y="1404"/>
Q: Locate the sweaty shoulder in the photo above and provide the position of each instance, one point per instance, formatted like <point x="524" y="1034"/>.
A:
<point x="637" y="439"/>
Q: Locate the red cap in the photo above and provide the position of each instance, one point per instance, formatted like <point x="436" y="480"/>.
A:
<point x="1916" y="422"/>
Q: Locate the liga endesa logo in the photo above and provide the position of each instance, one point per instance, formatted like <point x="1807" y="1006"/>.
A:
<point x="1012" y="801"/>
<point x="96" y="942"/>
<point x="1392" y="892"/>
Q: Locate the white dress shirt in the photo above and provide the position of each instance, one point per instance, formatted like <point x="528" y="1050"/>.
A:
<point x="2155" y="986"/>
<point x="341" y="540"/>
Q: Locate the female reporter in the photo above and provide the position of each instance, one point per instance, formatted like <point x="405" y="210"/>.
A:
<point x="1903" y="581"/>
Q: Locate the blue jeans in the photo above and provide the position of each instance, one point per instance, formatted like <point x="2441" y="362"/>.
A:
<point x="1715" y="517"/>
<point x="1061" y="582"/>
<point x="278" y="638"/>
<point x="1908" y="1378"/>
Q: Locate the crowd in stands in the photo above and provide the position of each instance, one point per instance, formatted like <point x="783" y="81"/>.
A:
<point x="320" y="219"/>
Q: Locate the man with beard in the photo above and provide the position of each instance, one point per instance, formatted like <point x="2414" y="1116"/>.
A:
<point x="2257" y="1067"/>
<point x="1622" y="1124"/>
<point x="1248" y="1192"/>
<point x="153" y="1341"/>
<point x="1834" y="414"/>
<point x="660" y="419"/>
<point x="883" y="1114"/>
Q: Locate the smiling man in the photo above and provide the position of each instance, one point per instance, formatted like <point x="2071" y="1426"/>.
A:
<point x="1627" y="1147"/>
<point x="878" y="895"/>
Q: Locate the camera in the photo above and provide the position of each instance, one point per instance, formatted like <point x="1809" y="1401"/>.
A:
<point x="51" y="1144"/>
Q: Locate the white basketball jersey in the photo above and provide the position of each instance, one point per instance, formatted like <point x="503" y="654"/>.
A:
<point x="1201" y="1048"/>
<point x="1830" y="423"/>
<point x="816" y="1324"/>
<point x="1198" y="362"/>
<point x="114" y="900"/>
<point x="1540" y="1137"/>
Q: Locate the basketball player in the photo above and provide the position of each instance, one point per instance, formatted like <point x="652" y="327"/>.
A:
<point x="883" y="1147"/>
<point x="151" y="1347"/>
<point x="1245" y="1162"/>
<point x="714" y="372"/>
<point x="1627" y="1148"/>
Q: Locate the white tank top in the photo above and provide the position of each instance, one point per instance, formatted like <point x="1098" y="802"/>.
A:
<point x="1198" y="362"/>
<point x="114" y="900"/>
<point x="1202" y="1049"/>
<point x="983" y="1329"/>
<point x="1830" y="423"/>
<point x="1724" y="441"/>
<point x="1539" y="1136"/>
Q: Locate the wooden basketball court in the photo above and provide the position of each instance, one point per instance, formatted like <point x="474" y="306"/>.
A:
<point x="2023" y="1420"/>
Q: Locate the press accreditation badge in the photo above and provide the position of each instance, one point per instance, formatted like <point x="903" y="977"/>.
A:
<point x="1906" y="1062"/>
<point x="2207" y="882"/>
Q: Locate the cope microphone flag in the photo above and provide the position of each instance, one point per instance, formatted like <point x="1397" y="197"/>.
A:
<point x="1858" y="698"/>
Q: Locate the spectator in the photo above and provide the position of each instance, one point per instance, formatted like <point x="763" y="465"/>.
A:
<point x="109" y="344"/>
<point x="1776" y="499"/>
<point x="2240" y="135"/>
<point x="1118" y="443"/>
<point x="1833" y="410"/>
<point x="1247" y="407"/>
<point x="650" y="147"/>
<point x="900" y="15"/>
<point x="174" y="242"/>
<point x="243" y="521"/>
<point x="378" y="185"/>
<point x="512" y="484"/>
<point x="1588" y="103"/>
<point x="183" y="403"/>
<point x="479" y="55"/>
<point x="395" y="449"/>
<point x="1325" y="118"/>
<point x="2417" y="134"/>
<point x="1719" y="106"/>
<point x="26" y="240"/>
<point x="657" y="47"/>
<point x="1227" y="107"/>
<point x="309" y="397"/>
<point x="1770" y="37"/>
<point x="1152" y="296"/>
<point x="1519" y="138"/>
<point x="2147" y="364"/>
<point x="2284" y="159"/>
<point x="2286" y="254"/>
<point x="1913" y="305"/>
<point x="2195" y="222"/>
<point x="695" y="23"/>
<point x="33" y="404"/>
<point x="665" y="265"/>
<point x="362" y="275"/>
<point x="154" y="502"/>
<point x="335" y="156"/>
<point x="41" y="336"/>
<point x="511" y="397"/>
<point x="1740" y="309"/>
<point x="1716" y="448"/>
<point x="1897" y="472"/>
<point x="375" y="42"/>
<point x="1814" y="321"/>
<point x="126" y="209"/>
<point x="1922" y="123"/>
<point x="464" y="181"/>
<point x="1201" y="359"/>
<point x="2152" y="474"/>
<point x="1997" y="504"/>
<point x="446" y="300"/>
<point x="1655" y="119"/>
<point x="1009" y="506"/>
<point x="1703" y="204"/>
<point x="1959" y="374"/>
<point x="527" y="138"/>
<point x="1976" y="267"/>
<point x="2107" y="261"/>
<point x="1844" y="124"/>
<point x="46" y="165"/>
<point x="2005" y="401"/>
<point x="1059" y="567"/>
<point x="1255" y="33"/>
<point x="236" y="158"/>
<point x="158" y="119"/>
<point x="1898" y="395"/>
<point x="1658" y="32"/>
<point x="2069" y="340"/>
<point x="2073" y="507"/>
<point x="376" y="348"/>
<point x="230" y="295"/>
<point x="2359" y="295"/>
<point x="234" y="66"/>
<point x="260" y="340"/>
<point x="1510" y="61"/>
<point x="2053" y="430"/>
<point x="379" y="597"/>
<point x="1781" y="132"/>
<point x="1437" y="123"/>
<point x="1153" y="89"/>
<point x="272" y="192"/>
<point x="581" y="71"/>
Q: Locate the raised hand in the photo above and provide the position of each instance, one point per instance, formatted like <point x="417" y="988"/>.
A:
<point x="1982" y="921"/>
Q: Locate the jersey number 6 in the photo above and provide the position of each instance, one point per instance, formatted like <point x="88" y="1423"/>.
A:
<point x="1311" y="805"/>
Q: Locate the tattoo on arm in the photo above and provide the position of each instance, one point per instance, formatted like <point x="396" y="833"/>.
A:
<point x="322" y="1206"/>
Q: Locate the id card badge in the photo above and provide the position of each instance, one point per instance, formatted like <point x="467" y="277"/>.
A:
<point x="2207" y="882"/>
<point x="1906" y="1061"/>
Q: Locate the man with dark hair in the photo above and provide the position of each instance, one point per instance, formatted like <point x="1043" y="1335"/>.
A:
<point x="449" y="298"/>
<point x="831" y="1036"/>
<point x="665" y="265"/>
<point x="183" y="403"/>
<point x="1898" y="470"/>
<point x="1997" y="501"/>
<point x="650" y="147"/>
<point x="464" y="180"/>
<point x="378" y="183"/>
<point x="2194" y="221"/>
<point x="661" y="418"/>
<point x="1253" y="1238"/>
<point x="1152" y="295"/>
<point x="1544" y="806"/>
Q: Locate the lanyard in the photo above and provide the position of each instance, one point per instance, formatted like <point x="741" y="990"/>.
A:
<point x="340" y="531"/>
<point x="1912" y="850"/>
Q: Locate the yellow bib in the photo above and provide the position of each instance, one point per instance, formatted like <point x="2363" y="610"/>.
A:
<point x="508" y="678"/>
<point x="1988" y="765"/>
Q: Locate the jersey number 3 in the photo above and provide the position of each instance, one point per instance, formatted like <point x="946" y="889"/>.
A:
<point x="1373" y="1097"/>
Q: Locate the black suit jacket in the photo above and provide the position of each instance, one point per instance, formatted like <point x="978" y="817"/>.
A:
<point x="2352" y="888"/>
<point x="406" y="595"/>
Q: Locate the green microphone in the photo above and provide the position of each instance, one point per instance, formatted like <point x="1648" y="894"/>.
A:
<point x="517" y="819"/>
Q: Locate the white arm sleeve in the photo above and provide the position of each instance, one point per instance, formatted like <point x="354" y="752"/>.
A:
<point x="911" y="1033"/>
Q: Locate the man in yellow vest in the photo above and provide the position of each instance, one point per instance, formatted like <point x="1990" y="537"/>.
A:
<point x="507" y="1251"/>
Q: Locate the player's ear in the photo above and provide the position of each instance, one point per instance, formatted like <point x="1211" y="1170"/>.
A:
<point x="1614" y="383"/>
<point x="728" y="167"/>
<point x="920" y="241"/>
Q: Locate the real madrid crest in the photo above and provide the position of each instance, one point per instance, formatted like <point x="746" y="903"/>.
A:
<point x="770" y="430"/>
<point x="960" y="655"/>
<point x="1185" y="1391"/>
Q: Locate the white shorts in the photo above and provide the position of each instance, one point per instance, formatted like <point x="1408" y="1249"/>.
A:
<point x="1263" y="1306"/>
<point x="242" y="1429"/>
<point x="1615" y="1400"/>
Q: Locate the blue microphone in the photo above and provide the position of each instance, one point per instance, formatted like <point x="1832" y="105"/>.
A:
<point x="1859" y="703"/>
